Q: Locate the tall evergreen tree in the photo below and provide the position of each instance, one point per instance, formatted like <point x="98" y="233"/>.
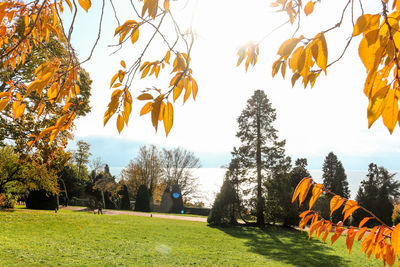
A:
<point x="377" y="194"/>
<point x="260" y="149"/>
<point x="334" y="176"/>
<point x="335" y="180"/>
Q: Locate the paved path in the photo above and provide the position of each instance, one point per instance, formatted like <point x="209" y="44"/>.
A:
<point x="143" y="214"/>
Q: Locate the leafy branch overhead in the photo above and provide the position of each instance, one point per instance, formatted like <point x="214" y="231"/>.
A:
<point x="307" y="57"/>
<point x="57" y="82"/>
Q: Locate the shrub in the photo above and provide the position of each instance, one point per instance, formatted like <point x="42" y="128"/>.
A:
<point x="125" y="202"/>
<point x="142" y="199"/>
<point x="41" y="200"/>
<point x="224" y="209"/>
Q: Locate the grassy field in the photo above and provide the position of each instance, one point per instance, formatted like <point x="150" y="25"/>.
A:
<point x="43" y="238"/>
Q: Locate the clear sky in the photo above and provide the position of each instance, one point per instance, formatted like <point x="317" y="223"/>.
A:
<point x="330" y="117"/>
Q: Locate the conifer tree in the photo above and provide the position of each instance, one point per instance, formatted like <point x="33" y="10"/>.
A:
<point x="260" y="149"/>
<point x="335" y="180"/>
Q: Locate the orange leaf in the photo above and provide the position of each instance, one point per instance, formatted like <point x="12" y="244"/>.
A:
<point x="363" y="221"/>
<point x="305" y="220"/>
<point x="337" y="234"/>
<point x="349" y="208"/>
<point x="361" y="233"/>
<point x="350" y="239"/>
<point x="395" y="239"/>
<point x="123" y="64"/>
<point x="302" y="190"/>
<point x="309" y="8"/>
<point x="316" y="192"/>
<point x="327" y="231"/>
<point x="85" y="4"/>
<point x="336" y="202"/>
<point x="304" y="213"/>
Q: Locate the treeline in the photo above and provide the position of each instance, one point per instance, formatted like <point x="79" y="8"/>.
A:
<point x="260" y="179"/>
<point x="148" y="179"/>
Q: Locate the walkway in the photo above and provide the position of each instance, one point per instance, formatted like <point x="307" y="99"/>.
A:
<point x="143" y="214"/>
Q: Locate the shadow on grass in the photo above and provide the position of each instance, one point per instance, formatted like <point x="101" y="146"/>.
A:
<point x="286" y="245"/>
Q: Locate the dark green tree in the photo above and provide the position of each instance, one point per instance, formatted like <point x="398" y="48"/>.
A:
<point x="377" y="194"/>
<point x="226" y="206"/>
<point x="142" y="199"/>
<point x="280" y="188"/>
<point x="125" y="201"/>
<point x="260" y="149"/>
<point x="335" y="180"/>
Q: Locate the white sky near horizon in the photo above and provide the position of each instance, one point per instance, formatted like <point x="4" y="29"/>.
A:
<point x="330" y="117"/>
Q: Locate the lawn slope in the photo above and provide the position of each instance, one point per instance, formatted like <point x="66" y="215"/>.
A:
<point x="42" y="238"/>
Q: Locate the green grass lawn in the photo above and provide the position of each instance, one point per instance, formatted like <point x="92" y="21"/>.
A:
<point x="44" y="238"/>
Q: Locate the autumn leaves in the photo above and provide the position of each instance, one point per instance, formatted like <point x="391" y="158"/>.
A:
<point x="159" y="102"/>
<point x="376" y="240"/>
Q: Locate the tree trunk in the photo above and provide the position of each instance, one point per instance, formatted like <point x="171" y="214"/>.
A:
<point x="260" y="204"/>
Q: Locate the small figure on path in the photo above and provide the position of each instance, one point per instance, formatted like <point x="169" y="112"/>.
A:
<point x="100" y="207"/>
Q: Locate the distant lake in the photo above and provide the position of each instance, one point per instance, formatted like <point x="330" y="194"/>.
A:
<point x="210" y="180"/>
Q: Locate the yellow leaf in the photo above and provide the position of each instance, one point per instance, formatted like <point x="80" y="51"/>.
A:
<point x="375" y="108"/>
<point x="166" y="5"/>
<point x="349" y="208"/>
<point x="85" y="4"/>
<point x="302" y="190"/>
<point x="53" y="135"/>
<point x="151" y="6"/>
<point x="146" y="108"/>
<point x="390" y="112"/>
<point x="123" y="64"/>
<point x="188" y="91"/>
<point x="145" y="71"/>
<point x="69" y="4"/>
<point x="316" y="192"/>
<point x="3" y="103"/>
<point x="167" y="56"/>
<point x="194" y="88"/>
<point x="366" y="22"/>
<point x="177" y="90"/>
<point x="161" y="114"/>
<point x="41" y="108"/>
<point x="145" y="96"/>
<point x="120" y="123"/>
<point x="135" y="34"/>
<point x="322" y="58"/>
<point x="309" y="8"/>
<point x="113" y="79"/>
<point x="336" y="202"/>
<point x="295" y="77"/>
<point x="67" y="106"/>
<point x="287" y="47"/>
<point x="168" y="117"/>
<point x="155" y="113"/>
